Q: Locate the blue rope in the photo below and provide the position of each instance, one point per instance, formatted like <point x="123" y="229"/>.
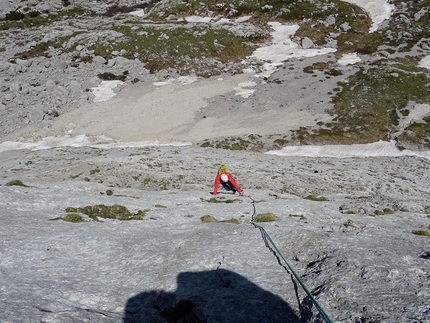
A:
<point x="277" y="253"/>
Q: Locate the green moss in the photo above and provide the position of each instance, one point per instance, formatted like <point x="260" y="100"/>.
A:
<point x="221" y="200"/>
<point x="232" y="220"/>
<point x="379" y="212"/>
<point x="160" y="206"/>
<point x="388" y="211"/>
<point x="315" y="198"/>
<point x="14" y="15"/>
<point x="421" y="233"/>
<point x="16" y="182"/>
<point x="109" y="192"/>
<point x="73" y="217"/>
<point x="265" y="217"/>
<point x="208" y="219"/>
<point x="108" y="212"/>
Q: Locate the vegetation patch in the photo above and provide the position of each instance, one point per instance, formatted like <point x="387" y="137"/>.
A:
<point x="252" y="142"/>
<point x="208" y="219"/>
<point x="221" y="200"/>
<point x="232" y="220"/>
<point x="73" y="217"/>
<point x="116" y="211"/>
<point x="30" y="19"/>
<point x="16" y="182"/>
<point x="421" y="233"/>
<point x="183" y="47"/>
<point x="370" y="103"/>
<point x="265" y="217"/>
<point x="315" y="198"/>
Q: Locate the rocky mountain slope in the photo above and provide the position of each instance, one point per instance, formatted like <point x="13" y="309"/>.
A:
<point x="99" y="221"/>
<point x="55" y="53"/>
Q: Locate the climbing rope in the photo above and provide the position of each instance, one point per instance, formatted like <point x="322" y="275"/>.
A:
<point x="272" y="247"/>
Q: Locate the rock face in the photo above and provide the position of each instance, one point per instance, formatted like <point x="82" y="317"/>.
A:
<point x="360" y="264"/>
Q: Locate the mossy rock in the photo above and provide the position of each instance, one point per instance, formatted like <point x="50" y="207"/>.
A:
<point x="265" y="217"/>
<point x="116" y="211"/>
<point x="208" y="219"/>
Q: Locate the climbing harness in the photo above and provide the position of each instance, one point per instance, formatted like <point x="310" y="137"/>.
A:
<point x="272" y="247"/>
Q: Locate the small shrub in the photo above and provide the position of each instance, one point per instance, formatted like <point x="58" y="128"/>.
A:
<point x="421" y="233"/>
<point x="16" y="182"/>
<point x="265" y="217"/>
<point x="107" y="76"/>
<point x="160" y="206"/>
<point x="34" y="14"/>
<point x="388" y="211"/>
<point x="109" y="192"/>
<point x="14" y="16"/>
<point x="208" y="219"/>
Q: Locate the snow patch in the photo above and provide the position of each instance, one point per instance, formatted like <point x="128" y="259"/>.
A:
<point x="101" y="142"/>
<point x="376" y="149"/>
<point x="104" y="91"/>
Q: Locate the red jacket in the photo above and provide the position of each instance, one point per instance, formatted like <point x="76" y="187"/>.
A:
<point x="230" y="180"/>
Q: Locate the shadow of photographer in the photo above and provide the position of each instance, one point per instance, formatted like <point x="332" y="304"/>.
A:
<point x="209" y="296"/>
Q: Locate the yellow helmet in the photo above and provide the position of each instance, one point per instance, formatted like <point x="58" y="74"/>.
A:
<point x="222" y="169"/>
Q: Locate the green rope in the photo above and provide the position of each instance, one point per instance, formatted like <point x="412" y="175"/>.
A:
<point x="277" y="253"/>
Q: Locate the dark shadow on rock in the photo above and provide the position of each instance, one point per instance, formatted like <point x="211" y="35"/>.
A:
<point x="209" y="296"/>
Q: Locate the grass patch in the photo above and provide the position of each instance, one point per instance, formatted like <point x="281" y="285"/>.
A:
<point x="368" y="107"/>
<point x="35" y="19"/>
<point x="251" y="142"/>
<point x="16" y="182"/>
<point x="182" y="47"/>
<point x="116" y="211"/>
<point x="232" y="220"/>
<point x="221" y="200"/>
<point x="421" y="233"/>
<point x="265" y="217"/>
<point x="315" y="198"/>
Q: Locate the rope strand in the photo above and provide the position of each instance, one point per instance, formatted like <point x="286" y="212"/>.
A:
<point x="274" y="249"/>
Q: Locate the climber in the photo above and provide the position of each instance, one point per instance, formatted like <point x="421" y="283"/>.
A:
<point x="226" y="180"/>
